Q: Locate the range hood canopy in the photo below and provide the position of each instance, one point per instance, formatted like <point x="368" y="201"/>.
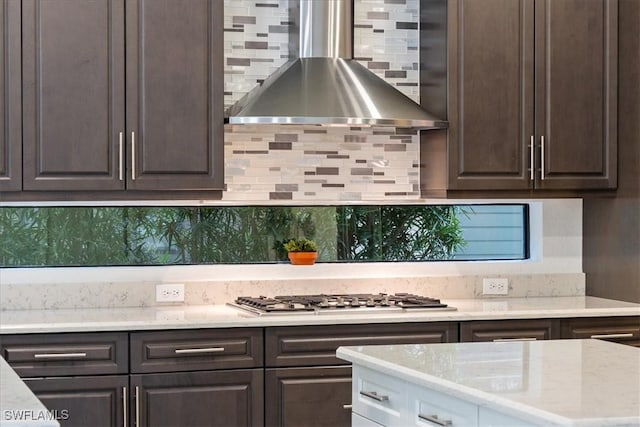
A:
<point x="325" y="86"/>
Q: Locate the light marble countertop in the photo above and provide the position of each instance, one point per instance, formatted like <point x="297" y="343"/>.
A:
<point x="18" y="405"/>
<point x="558" y="382"/>
<point x="222" y="316"/>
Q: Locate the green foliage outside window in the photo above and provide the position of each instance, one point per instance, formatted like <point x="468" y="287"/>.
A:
<point x="86" y="236"/>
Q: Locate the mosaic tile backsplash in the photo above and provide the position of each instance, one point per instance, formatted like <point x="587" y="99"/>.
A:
<point x="313" y="163"/>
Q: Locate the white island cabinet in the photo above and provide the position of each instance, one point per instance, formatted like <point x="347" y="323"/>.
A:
<point x="507" y="384"/>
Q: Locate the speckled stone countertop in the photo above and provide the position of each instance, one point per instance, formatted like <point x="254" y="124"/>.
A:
<point x="221" y="316"/>
<point x="18" y="405"/>
<point x="557" y="382"/>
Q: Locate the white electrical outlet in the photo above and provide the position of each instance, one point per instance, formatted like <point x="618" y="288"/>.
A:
<point x="170" y="292"/>
<point x="495" y="286"/>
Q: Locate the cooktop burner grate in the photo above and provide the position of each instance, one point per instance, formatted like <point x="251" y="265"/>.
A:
<point x="334" y="303"/>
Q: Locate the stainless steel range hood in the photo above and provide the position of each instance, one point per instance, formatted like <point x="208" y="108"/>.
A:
<point x="325" y="86"/>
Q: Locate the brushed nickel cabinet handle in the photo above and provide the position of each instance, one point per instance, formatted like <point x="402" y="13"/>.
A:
<point x="120" y="157"/>
<point x="137" y="406"/>
<point x="605" y="336"/>
<point x="124" y="406"/>
<point x="133" y="156"/>
<point x="375" y="396"/>
<point x="532" y="170"/>
<point x="542" y="158"/>
<point x="59" y="355"/>
<point x="435" y="420"/>
<point x="347" y="407"/>
<point x="514" y="339"/>
<point x="199" y="350"/>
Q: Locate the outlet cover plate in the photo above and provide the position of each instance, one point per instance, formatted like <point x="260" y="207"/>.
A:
<point x="170" y="292"/>
<point x="495" y="286"/>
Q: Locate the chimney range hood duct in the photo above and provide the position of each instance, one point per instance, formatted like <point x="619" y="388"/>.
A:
<point x="325" y="86"/>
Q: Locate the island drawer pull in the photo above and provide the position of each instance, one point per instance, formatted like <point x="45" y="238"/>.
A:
<point x="199" y="350"/>
<point x="435" y="420"/>
<point x="604" y="336"/>
<point x="59" y="355"/>
<point x="514" y="339"/>
<point x="375" y="396"/>
<point x="347" y="407"/>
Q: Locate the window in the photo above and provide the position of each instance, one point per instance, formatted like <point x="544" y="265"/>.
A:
<point x="103" y="236"/>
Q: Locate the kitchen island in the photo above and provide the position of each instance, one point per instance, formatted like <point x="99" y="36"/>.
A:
<point x="518" y="383"/>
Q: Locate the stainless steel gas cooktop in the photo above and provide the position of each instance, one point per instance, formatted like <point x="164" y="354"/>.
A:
<point x="338" y="304"/>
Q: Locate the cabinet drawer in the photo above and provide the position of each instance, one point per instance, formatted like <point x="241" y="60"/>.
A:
<point x="499" y="330"/>
<point x="360" y="421"/>
<point x="379" y="397"/>
<point x="176" y="351"/>
<point x="490" y="418"/>
<point x="66" y="354"/>
<point x="624" y="330"/>
<point x="317" y="345"/>
<point x="429" y="408"/>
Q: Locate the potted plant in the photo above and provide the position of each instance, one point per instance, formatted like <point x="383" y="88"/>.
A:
<point x="301" y="251"/>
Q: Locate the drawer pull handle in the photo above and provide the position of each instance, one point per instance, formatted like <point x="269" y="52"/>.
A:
<point x="532" y="160"/>
<point x="542" y="158"/>
<point x="435" y="420"/>
<point x="199" y="350"/>
<point x="605" y="336"/>
<point x="137" y="406"/>
<point x="59" y="355"/>
<point x="124" y="407"/>
<point x="513" y="339"/>
<point x="120" y="158"/>
<point x="133" y="156"/>
<point x="347" y="407"/>
<point x="375" y="396"/>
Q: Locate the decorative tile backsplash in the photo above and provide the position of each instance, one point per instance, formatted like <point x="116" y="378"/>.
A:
<point x="312" y="163"/>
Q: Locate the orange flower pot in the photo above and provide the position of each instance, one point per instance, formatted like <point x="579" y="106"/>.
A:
<point x="303" y="258"/>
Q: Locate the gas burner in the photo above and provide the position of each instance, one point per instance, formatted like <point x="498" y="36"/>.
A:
<point x="338" y="303"/>
<point x="270" y="305"/>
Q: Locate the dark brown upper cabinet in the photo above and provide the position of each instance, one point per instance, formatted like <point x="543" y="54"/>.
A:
<point x="122" y="94"/>
<point x="532" y="97"/>
<point x="73" y="94"/>
<point x="10" y="90"/>
<point x="175" y="84"/>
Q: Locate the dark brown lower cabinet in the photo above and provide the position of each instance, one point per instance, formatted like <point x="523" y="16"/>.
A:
<point x="198" y="399"/>
<point x="307" y="386"/>
<point x="623" y="330"/>
<point x="505" y="330"/>
<point x="83" y="401"/>
<point x="311" y="397"/>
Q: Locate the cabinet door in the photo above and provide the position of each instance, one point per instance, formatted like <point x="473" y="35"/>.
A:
<point x="73" y="94"/>
<point x="490" y="94"/>
<point x="175" y="79"/>
<point x="10" y="90"/>
<point x="83" y="401"/>
<point x="576" y="93"/>
<point x="195" y="399"/>
<point x="308" y="397"/>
